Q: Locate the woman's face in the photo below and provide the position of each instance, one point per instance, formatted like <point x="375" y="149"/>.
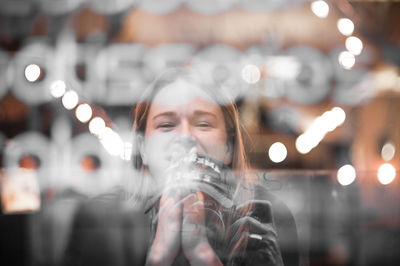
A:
<point x="183" y="116"/>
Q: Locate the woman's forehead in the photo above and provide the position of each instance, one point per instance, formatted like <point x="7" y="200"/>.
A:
<point x="181" y="92"/>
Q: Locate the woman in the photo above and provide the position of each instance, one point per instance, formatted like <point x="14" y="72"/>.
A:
<point x="196" y="186"/>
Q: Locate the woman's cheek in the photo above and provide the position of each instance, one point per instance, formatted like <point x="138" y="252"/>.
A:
<point x="214" y="145"/>
<point x="156" y="154"/>
<point x="220" y="152"/>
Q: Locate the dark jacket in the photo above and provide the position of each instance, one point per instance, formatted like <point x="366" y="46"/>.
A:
<point x="109" y="232"/>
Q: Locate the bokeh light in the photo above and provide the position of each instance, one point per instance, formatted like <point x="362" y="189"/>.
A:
<point x="345" y="26"/>
<point x="84" y="112"/>
<point x="277" y="152"/>
<point x="320" y="8"/>
<point x="57" y="88"/>
<point x="346" y="175"/>
<point x="90" y="163"/>
<point x="388" y="151"/>
<point x="283" y="67"/>
<point x="70" y="99"/>
<point x="354" y="45"/>
<point x="323" y="124"/>
<point x="346" y="59"/>
<point x="30" y="162"/>
<point x="251" y="74"/>
<point x="112" y="142"/>
<point x="338" y="115"/>
<point x="386" y="173"/>
<point x="97" y="126"/>
<point x="32" y="72"/>
<point x="303" y="144"/>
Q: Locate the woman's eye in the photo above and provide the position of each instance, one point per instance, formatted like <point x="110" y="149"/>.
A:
<point x="166" y="126"/>
<point x="204" y="124"/>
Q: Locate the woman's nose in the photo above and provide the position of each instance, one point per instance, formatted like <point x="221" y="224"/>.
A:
<point x="185" y="129"/>
<point x="186" y="132"/>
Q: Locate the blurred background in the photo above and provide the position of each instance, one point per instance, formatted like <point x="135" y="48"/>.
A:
<point x="318" y="89"/>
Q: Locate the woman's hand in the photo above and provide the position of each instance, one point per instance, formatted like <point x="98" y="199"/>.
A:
<point x="195" y="244"/>
<point x="182" y="218"/>
<point x="167" y="239"/>
<point x="259" y="232"/>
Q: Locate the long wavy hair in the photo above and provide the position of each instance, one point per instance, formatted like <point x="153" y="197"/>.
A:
<point x="239" y="164"/>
